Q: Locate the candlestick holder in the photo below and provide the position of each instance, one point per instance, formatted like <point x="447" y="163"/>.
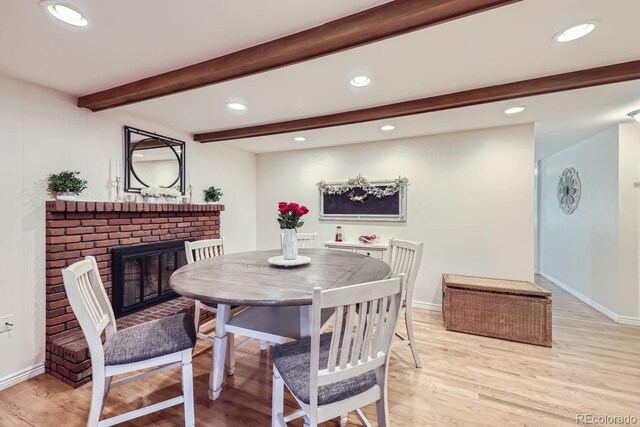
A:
<point x="118" y="193"/>
<point x="190" y="193"/>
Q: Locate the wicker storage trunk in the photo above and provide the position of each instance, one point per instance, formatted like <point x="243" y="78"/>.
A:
<point x="506" y="309"/>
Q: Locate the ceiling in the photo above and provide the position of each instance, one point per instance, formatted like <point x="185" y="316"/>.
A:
<point x="129" y="40"/>
<point x="503" y="45"/>
<point x="561" y="120"/>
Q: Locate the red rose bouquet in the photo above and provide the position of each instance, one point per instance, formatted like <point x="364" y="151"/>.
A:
<point x="290" y="216"/>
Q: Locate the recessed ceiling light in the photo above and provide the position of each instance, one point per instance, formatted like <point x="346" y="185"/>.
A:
<point x="576" y="31"/>
<point x="360" y="81"/>
<point x="514" y="110"/>
<point x="66" y="14"/>
<point x="236" y="106"/>
<point x="387" y="128"/>
<point x="299" y="139"/>
<point x="635" y="115"/>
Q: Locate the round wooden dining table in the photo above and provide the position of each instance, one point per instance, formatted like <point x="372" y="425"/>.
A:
<point x="247" y="279"/>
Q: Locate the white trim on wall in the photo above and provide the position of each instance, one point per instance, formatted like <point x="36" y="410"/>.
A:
<point x="426" y="306"/>
<point x="18" y="377"/>
<point x="626" y="320"/>
<point x="610" y="314"/>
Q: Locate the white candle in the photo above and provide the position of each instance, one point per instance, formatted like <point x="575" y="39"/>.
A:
<point x="118" y="166"/>
<point x="189" y="177"/>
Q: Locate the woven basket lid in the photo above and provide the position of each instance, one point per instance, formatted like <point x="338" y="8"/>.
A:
<point x="516" y="287"/>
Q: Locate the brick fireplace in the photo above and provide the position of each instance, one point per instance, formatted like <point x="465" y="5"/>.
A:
<point x="78" y="229"/>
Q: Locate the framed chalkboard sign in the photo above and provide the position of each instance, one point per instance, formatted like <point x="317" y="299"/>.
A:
<point x="358" y="199"/>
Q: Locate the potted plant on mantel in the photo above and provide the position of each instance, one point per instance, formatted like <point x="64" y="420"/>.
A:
<point x="290" y="219"/>
<point x="66" y="185"/>
<point x="212" y="194"/>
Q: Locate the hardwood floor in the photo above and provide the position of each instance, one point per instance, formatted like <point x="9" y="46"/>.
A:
<point x="593" y="367"/>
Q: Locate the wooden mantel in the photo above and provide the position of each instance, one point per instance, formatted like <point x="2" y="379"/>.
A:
<point x="89" y="206"/>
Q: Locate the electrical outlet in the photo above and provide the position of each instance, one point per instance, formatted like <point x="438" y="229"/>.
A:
<point x="6" y="323"/>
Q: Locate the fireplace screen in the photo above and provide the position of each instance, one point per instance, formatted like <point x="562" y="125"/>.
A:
<point x="141" y="275"/>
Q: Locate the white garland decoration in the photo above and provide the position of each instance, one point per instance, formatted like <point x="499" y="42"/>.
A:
<point x="160" y="192"/>
<point x="365" y="185"/>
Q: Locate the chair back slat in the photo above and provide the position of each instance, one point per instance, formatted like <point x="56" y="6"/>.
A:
<point x="90" y="300"/>
<point x="335" y="344"/>
<point x="90" y="304"/>
<point x="371" y="315"/>
<point x="381" y="317"/>
<point x="348" y="333"/>
<point x="203" y="249"/>
<point x="404" y="257"/>
<point x="360" y="330"/>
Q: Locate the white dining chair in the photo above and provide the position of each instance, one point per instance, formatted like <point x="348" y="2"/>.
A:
<point x="331" y="374"/>
<point x="204" y="249"/>
<point x="404" y="257"/>
<point x="197" y="251"/>
<point x="305" y="240"/>
<point x="161" y="344"/>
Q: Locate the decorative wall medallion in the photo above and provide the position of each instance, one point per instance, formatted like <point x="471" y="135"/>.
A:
<point x="569" y="191"/>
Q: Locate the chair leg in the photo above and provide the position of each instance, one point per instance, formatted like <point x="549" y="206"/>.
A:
<point x="107" y="384"/>
<point x="310" y="420"/>
<point x="408" y="318"/>
<point x="196" y="315"/>
<point x="97" y="397"/>
<point x="382" y="405"/>
<point x="277" y="401"/>
<point x="343" y="420"/>
<point x="263" y="345"/>
<point x="230" y="361"/>
<point x="187" y="390"/>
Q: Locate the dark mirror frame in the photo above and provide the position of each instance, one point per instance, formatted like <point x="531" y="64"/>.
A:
<point x="129" y="148"/>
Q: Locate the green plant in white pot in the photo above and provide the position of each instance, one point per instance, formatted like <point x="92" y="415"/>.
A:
<point x="212" y="194"/>
<point x="66" y="185"/>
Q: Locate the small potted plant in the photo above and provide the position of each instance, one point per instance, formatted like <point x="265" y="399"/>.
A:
<point x="290" y="219"/>
<point x="212" y="194"/>
<point x="66" y="185"/>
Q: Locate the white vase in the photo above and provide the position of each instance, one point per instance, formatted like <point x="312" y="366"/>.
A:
<point x="289" y="244"/>
<point x="66" y="196"/>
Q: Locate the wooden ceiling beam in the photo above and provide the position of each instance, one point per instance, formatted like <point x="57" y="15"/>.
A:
<point x="616" y="73"/>
<point x="371" y="25"/>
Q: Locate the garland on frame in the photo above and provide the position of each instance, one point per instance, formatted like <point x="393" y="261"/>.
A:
<point x="360" y="182"/>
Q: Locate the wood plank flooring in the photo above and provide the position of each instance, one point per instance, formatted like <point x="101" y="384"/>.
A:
<point x="593" y="367"/>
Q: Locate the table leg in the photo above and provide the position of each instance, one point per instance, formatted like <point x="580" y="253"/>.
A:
<point x="219" y="351"/>
<point x="305" y="320"/>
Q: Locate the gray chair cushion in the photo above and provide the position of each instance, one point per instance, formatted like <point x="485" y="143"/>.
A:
<point x="293" y="362"/>
<point x="152" y="339"/>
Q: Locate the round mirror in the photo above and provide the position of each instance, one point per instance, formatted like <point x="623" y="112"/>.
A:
<point x="155" y="163"/>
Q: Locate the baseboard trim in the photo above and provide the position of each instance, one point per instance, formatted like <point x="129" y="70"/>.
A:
<point x="426" y="306"/>
<point x="626" y="320"/>
<point x="20" y="376"/>
<point x="602" y="309"/>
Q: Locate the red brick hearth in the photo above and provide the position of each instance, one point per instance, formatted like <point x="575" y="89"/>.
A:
<point x="77" y="229"/>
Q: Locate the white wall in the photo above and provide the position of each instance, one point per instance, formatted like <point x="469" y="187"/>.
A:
<point x="629" y="218"/>
<point x="470" y="198"/>
<point x="41" y="131"/>
<point x="581" y="250"/>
